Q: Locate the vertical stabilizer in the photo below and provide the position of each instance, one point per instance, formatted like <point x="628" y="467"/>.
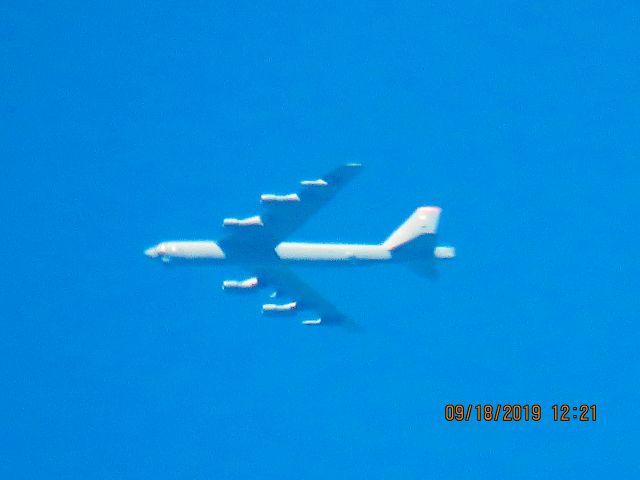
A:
<point x="423" y="221"/>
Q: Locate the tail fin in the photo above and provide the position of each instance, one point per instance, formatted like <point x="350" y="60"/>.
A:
<point x="423" y="221"/>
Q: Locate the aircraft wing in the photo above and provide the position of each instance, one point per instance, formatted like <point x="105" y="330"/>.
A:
<point x="283" y="214"/>
<point x="287" y="283"/>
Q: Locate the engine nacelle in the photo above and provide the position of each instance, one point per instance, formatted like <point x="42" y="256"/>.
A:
<point x="256" y="220"/>
<point x="314" y="183"/>
<point x="444" y="252"/>
<point x="316" y="321"/>
<point x="270" y="197"/>
<point x="240" y="284"/>
<point x="283" y="307"/>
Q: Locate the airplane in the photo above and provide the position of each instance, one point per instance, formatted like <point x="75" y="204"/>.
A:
<point x="256" y="243"/>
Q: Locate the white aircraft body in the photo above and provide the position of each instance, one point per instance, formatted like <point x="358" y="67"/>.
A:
<point x="256" y="244"/>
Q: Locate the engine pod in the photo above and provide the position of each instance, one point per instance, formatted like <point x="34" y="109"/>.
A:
<point x="444" y="252"/>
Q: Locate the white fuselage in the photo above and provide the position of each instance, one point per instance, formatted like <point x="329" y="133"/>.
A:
<point x="209" y="250"/>
<point x="331" y="251"/>
<point x="423" y="222"/>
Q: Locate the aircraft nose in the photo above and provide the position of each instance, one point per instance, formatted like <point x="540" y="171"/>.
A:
<point x="151" y="252"/>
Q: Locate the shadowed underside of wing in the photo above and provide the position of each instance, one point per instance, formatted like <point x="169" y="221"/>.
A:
<point x="279" y="219"/>
<point x="288" y="283"/>
<point x="253" y="240"/>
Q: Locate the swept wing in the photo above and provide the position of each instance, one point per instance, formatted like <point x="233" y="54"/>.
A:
<point x="283" y="214"/>
<point x="287" y="283"/>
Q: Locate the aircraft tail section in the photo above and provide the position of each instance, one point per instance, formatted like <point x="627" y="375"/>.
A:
<point x="424" y="221"/>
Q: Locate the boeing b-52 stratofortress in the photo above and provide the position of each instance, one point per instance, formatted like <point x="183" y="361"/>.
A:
<point x="256" y="244"/>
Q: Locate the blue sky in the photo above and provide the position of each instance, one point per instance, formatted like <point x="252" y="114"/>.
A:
<point x="125" y="124"/>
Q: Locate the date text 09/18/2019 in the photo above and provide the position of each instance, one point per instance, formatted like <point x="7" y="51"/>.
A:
<point x="517" y="412"/>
